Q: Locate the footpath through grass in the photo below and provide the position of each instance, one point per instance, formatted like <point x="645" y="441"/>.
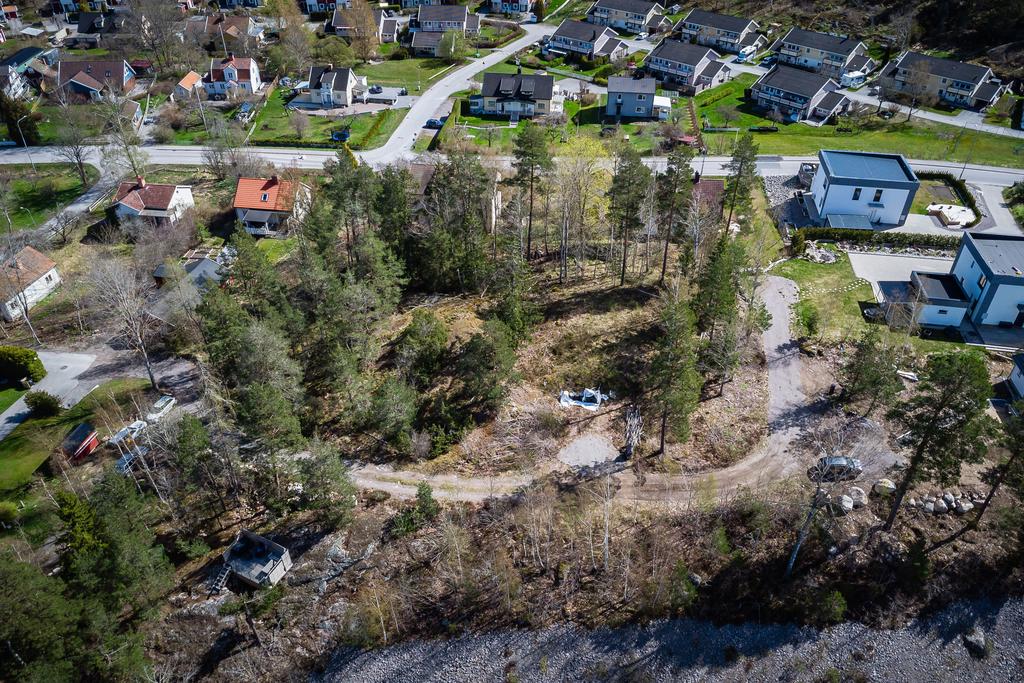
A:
<point x="39" y="194"/>
<point x="32" y="442"/>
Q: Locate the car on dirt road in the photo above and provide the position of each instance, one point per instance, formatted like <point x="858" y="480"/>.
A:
<point x="835" y="468"/>
<point x="160" y="409"/>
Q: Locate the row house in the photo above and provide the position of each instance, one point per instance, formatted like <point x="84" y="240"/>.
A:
<point x="586" y="40"/>
<point x="719" y="31"/>
<point x="957" y="83"/>
<point x="799" y="95"/>
<point x="824" y="53"/>
<point x="691" y="67"/>
<point x="634" y="16"/>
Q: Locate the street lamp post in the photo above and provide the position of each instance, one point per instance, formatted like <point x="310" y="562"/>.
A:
<point x="31" y="215"/>
<point x="24" y="143"/>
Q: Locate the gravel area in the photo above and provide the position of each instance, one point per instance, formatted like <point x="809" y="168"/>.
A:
<point x="588" y="449"/>
<point x="931" y="649"/>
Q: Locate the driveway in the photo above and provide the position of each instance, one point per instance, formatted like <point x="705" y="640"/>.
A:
<point x="62" y="372"/>
<point x="894" y="267"/>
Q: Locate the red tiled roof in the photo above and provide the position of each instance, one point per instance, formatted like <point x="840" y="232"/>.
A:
<point x="242" y="64"/>
<point x="280" y="194"/>
<point x="189" y="80"/>
<point x="146" y="196"/>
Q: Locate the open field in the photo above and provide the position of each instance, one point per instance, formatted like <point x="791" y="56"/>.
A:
<point x="274" y="123"/>
<point x="414" y="73"/>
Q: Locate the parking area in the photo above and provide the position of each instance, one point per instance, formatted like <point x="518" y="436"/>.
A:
<point x="875" y="267"/>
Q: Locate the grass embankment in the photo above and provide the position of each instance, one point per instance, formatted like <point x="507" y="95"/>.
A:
<point x="39" y="194"/>
<point x="31" y="442"/>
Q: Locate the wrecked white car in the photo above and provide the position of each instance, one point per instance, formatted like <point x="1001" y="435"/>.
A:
<point x="590" y="399"/>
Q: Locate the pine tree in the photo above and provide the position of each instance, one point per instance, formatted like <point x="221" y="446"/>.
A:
<point x="393" y="209"/>
<point x="675" y="370"/>
<point x="715" y="304"/>
<point x="739" y="184"/>
<point x="869" y="372"/>
<point x="532" y="160"/>
<point x="674" y="191"/>
<point x="626" y="196"/>
<point x="18" y="118"/>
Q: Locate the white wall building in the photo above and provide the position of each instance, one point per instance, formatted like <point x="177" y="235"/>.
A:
<point x="26" y="280"/>
<point x="861" y="189"/>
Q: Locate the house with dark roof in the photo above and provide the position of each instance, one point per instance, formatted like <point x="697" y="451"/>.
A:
<point x="329" y="87"/>
<point x="690" y="66"/>
<point x="409" y="4"/>
<point x="184" y="287"/>
<point x="231" y="76"/>
<point x="520" y="95"/>
<point x="237" y="32"/>
<point x="860" y="189"/>
<point x="96" y="27"/>
<point x="25" y="280"/>
<point x="90" y="78"/>
<point x="340" y="20"/>
<point x="961" y="84"/>
<point x="799" y="95"/>
<point x="584" y="39"/>
<point x="636" y="98"/>
<point x="719" y="31"/>
<point x="266" y="207"/>
<point x="511" y="6"/>
<point x="162" y="204"/>
<point x="443" y="18"/>
<point x="314" y="6"/>
<point x="825" y="53"/>
<point x="634" y="16"/>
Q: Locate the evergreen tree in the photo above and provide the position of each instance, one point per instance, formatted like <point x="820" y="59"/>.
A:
<point x="421" y="348"/>
<point x="21" y="126"/>
<point x="626" y="196"/>
<point x="944" y="420"/>
<point x="257" y="284"/>
<point x="673" y="194"/>
<point x="268" y="414"/>
<point x="485" y="367"/>
<point x="741" y="179"/>
<point x="393" y="412"/>
<point x="394" y="210"/>
<point x="513" y="308"/>
<point x="675" y="369"/>
<point x="715" y="304"/>
<point x="326" y="484"/>
<point x="377" y="267"/>
<point x="531" y="159"/>
<point x="869" y="372"/>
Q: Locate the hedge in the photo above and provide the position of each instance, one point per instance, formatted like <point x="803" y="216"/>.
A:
<point x="296" y="142"/>
<point x="450" y="123"/>
<point x="898" y="239"/>
<point x="959" y="187"/>
<point x="17" y="362"/>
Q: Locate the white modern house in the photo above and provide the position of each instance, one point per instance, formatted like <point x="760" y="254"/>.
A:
<point x="26" y="280"/>
<point x="860" y="190"/>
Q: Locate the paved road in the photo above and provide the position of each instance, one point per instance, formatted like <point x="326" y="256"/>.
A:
<point x="62" y="372"/>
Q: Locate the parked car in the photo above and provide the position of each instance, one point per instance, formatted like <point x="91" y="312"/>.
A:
<point x="769" y="61"/>
<point x="341" y="135"/>
<point x="434" y="124"/>
<point x="162" y="406"/>
<point x="376" y="89"/>
<point x="124" y="463"/>
<point x="129" y="433"/>
<point x="641" y="36"/>
<point x="403" y="92"/>
<point x="835" y="468"/>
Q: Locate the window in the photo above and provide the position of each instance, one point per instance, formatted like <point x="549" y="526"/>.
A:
<point x="109" y="73"/>
<point x="878" y="195"/>
<point x="264" y="197"/>
<point x="943" y="311"/>
<point x="639" y="110"/>
<point x="982" y="281"/>
<point x="856" y="193"/>
<point x="641" y="98"/>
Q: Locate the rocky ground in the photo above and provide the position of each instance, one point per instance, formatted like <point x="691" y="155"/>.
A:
<point x="946" y="646"/>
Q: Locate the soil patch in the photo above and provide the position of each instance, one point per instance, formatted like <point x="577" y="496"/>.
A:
<point x="587" y="450"/>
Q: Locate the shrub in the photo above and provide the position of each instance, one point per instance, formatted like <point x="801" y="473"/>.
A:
<point x="8" y="511"/>
<point x="399" y="54"/>
<point x="833" y="607"/>
<point x="899" y="239"/>
<point x="959" y="188"/>
<point x="17" y="363"/>
<point x="42" y="404"/>
<point x="163" y="135"/>
<point x="799" y="243"/>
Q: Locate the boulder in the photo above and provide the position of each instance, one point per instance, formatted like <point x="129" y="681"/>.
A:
<point x="859" y="496"/>
<point x="964" y="506"/>
<point x="929" y="506"/>
<point x="948" y="498"/>
<point x="912" y="502"/>
<point x="976" y="643"/>
<point x="940" y="507"/>
<point x="843" y="505"/>
<point x="884" y="487"/>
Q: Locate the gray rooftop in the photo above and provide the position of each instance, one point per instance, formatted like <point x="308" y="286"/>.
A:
<point x="634" y="6"/>
<point x="939" y="286"/>
<point x="682" y="52"/>
<point x="821" y="41"/>
<point x="724" y="22"/>
<point x="518" y="86"/>
<point x="1004" y="254"/>
<point x="581" y="30"/>
<point x="792" y="80"/>
<point x="442" y="13"/>
<point x="869" y="165"/>
<point x="945" y="68"/>
<point x="626" y="84"/>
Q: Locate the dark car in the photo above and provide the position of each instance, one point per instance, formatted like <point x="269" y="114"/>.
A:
<point x="376" y="89"/>
<point x="835" y="468"/>
<point x="769" y="60"/>
<point x="434" y="124"/>
<point x="341" y="135"/>
<point x="403" y="92"/>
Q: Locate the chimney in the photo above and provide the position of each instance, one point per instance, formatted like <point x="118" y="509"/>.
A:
<point x="273" y="180"/>
<point x="330" y="67"/>
<point x="231" y="56"/>
<point x="140" y="181"/>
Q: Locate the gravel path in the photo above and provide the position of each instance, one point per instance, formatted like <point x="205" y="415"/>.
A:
<point x="691" y="650"/>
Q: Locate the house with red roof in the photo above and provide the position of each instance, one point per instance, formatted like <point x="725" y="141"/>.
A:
<point x="266" y="207"/>
<point x="232" y="76"/>
<point x="160" y="203"/>
<point x="90" y="78"/>
<point x="25" y="280"/>
<point x="188" y="84"/>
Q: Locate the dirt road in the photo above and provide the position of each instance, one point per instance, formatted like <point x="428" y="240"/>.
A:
<point x="788" y="411"/>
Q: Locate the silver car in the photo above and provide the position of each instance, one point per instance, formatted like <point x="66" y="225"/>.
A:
<point x="835" y="468"/>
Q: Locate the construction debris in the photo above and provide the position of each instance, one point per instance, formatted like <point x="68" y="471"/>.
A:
<point x="589" y="399"/>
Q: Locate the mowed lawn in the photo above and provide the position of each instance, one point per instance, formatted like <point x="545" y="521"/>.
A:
<point x="31" y="442"/>
<point x="39" y="194"/>
<point x="414" y="73"/>
<point x="915" y="139"/>
<point x="274" y="123"/>
<point x="8" y="396"/>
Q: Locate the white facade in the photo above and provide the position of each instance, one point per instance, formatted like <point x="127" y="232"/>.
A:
<point x="231" y="81"/>
<point x="181" y="201"/>
<point x="940" y="316"/>
<point x="880" y="205"/>
<point x="32" y="294"/>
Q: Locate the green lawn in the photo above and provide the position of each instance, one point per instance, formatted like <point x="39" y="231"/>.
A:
<point x="916" y="139"/>
<point x="8" y="396"/>
<point x="501" y="68"/>
<point x="999" y="114"/>
<point x="31" y="442"/>
<point x="39" y="194"/>
<point x="277" y="249"/>
<point x="274" y="123"/>
<point x="414" y="73"/>
<point x="933" y="192"/>
<point x="369" y="131"/>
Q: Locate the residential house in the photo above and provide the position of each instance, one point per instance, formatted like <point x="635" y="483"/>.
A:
<point x="520" y="95"/>
<point x="511" y="6"/>
<point x="860" y="189"/>
<point x="14" y="84"/>
<point x="338" y="24"/>
<point x="95" y="28"/>
<point x="161" y="203"/>
<point x="76" y="6"/>
<point x="410" y="4"/>
<point x="225" y="31"/>
<point x="316" y="6"/>
<point x="90" y="78"/>
<point x="131" y="111"/>
<point x="983" y="288"/>
<point x="329" y="88"/>
<point x="584" y="39"/>
<point x="444" y="18"/>
<point x="634" y="16"/>
<point x="184" y="288"/>
<point x="22" y="60"/>
<point x="189" y="84"/>
<point x="10" y="12"/>
<point x="719" y="31"/>
<point x="388" y="28"/>
<point x="232" y="4"/>
<point x="26" y="279"/>
<point x="1016" y="378"/>
<point x="944" y="80"/>
<point x="257" y="561"/>
<point x="692" y="67"/>
<point x="636" y="98"/>
<point x="825" y="53"/>
<point x="231" y="76"/>
<point x="799" y="95"/>
<point x="425" y="43"/>
<point x="266" y="207"/>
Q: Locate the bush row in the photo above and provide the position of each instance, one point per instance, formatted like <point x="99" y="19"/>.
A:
<point x="296" y="142"/>
<point x="959" y="187"/>
<point x="898" y="239"/>
<point x="17" y="363"/>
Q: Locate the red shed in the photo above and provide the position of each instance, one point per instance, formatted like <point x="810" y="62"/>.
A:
<point x="82" y="441"/>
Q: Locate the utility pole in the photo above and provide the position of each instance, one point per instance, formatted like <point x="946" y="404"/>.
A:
<point x="24" y="143"/>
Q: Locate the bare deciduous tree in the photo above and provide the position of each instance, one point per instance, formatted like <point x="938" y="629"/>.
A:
<point x="124" y="292"/>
